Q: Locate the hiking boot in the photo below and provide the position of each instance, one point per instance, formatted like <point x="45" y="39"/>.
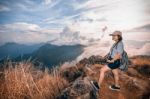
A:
<point x="113" y="87"/>
<point x="95" y="85"/>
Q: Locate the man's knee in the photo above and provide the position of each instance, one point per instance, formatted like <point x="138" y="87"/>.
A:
<point x="115" y="72"/>
<point x="103" y="69"/>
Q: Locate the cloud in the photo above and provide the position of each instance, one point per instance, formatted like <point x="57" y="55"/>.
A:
<point x="68" y="36"/>
<point x="134" y="50"/>
<point x="122" y="15"/>
<point x="99" y="48"/>
<point x="22" y="26"/>
<point x="116" y="14"/>
<point x="136" y="35"/>
<point x="144" y="28"/>
<point x="103" y="47"/>
<point x="145" y="49"/>
<point x="71" y="36"/>
<point x="46" y="2"/>
<point x="22" y="32"/>
<point x="51" y="3"/>
<point x="26" y="33"/>
<point x="4" y="8"/>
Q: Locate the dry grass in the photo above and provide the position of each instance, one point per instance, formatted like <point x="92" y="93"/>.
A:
<point x="24" y="81"/>
<point x="141" y="61"/>
<point x="142" y="65"/>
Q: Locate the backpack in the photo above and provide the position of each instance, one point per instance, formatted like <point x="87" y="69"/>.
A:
<point x="124" y="61"/>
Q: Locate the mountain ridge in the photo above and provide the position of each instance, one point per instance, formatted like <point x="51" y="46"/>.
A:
<point x="51" y="55"/>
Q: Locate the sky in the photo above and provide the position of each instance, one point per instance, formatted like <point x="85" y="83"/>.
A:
<point x="67" y="22"/>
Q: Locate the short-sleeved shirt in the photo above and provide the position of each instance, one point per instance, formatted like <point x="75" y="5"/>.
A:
<point x="119" y="48"/>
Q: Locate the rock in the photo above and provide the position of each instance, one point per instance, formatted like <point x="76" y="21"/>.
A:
<point x="81" y="89"/>
<point x="93" y="60"/>
<point x="135" y="80"/>
<point x="72" y="73"/>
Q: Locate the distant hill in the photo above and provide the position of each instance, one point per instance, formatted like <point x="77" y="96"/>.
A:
<point x="14" y="49"/>
<point x="51" y="55"/>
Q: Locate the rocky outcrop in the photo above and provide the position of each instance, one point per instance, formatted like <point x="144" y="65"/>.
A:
<point x="135" y="83"/>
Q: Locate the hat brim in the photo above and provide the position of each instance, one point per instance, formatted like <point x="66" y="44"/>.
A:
<point x="111" y="35"/>
<point x="114" y="35"/>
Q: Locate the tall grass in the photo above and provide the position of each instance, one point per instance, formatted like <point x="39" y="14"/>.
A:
<point x="141" y="61"/>
<point x="23" y="81"/>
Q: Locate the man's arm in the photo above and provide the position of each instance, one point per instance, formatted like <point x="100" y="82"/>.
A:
<point x="117" y="56"/>
<point x="120" y="49"/>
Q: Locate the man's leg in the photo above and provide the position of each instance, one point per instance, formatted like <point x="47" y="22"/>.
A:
<point x="102" y="73"/>
<point x="116" y="76"/>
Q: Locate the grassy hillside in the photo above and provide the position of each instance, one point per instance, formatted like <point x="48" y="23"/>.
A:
<point x="23" y="81"/>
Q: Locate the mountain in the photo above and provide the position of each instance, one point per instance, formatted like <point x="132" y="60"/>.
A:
<point x="51" y="55"/>
<point x="14" y="49"/>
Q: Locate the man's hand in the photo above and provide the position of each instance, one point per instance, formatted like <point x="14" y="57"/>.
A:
<point x="110" y="61"/>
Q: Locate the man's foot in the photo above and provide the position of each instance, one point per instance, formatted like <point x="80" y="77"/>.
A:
<point x="113" y="87"/>
<point x="95" y="85"/>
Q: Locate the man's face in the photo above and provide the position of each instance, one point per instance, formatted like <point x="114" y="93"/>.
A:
<point x="115" y="37"/>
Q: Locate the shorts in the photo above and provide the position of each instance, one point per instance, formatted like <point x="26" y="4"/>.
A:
<point x="114" y="65"/>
